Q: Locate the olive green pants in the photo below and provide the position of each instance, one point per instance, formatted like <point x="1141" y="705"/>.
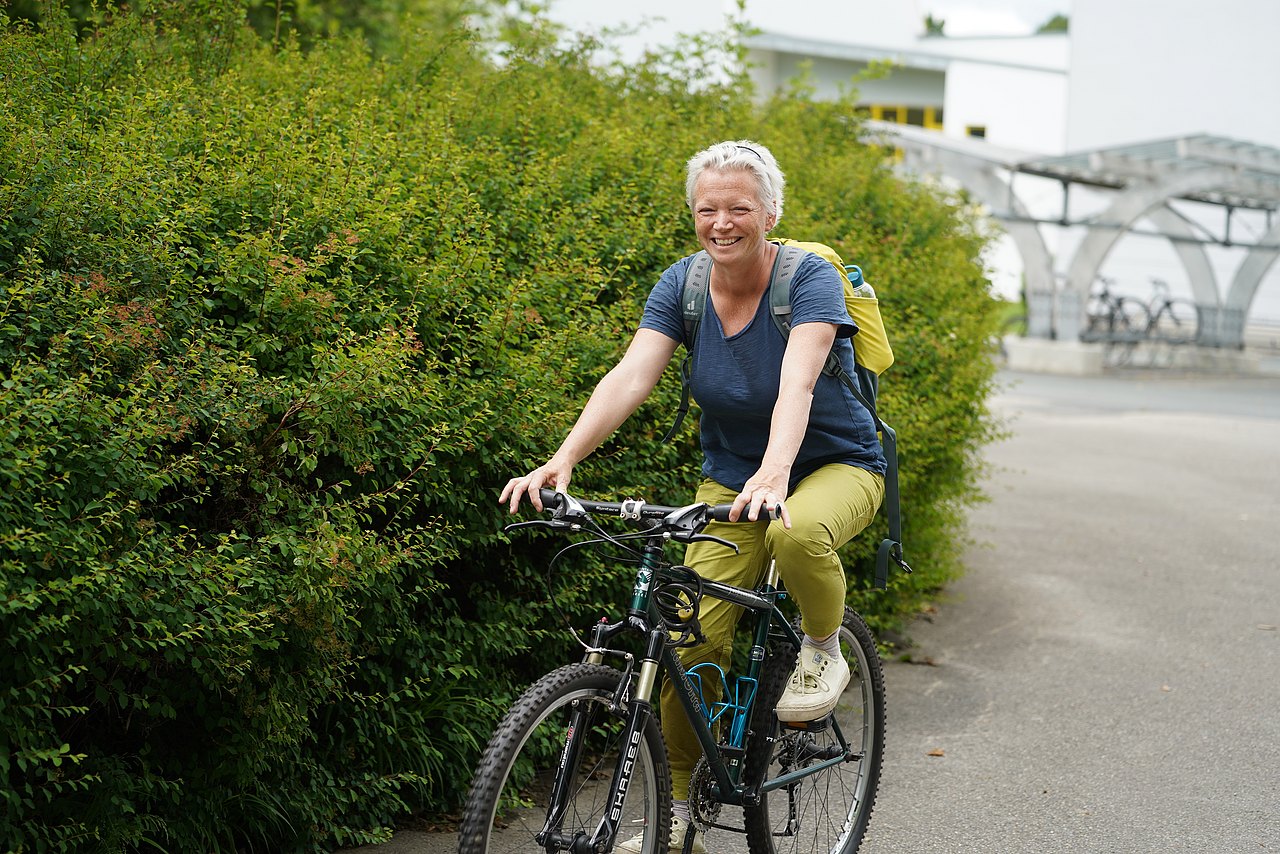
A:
<point x="828" y="508"/>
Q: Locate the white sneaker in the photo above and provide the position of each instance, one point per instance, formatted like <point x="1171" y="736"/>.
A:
<point x="814" y="687"/>
<point x="679" y="827"/>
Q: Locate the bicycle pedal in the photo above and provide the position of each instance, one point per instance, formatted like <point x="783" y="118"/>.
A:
<point x="818" y="725"/>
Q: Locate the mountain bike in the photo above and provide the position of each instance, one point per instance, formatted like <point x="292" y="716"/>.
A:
<point x="580" y="758"/>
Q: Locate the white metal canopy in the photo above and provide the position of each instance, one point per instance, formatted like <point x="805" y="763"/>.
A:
<point x="1145" y="178"/>
<point x="1251" y="178"/>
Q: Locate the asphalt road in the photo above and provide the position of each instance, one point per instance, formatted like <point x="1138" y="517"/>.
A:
<point x="1106" y="677"/>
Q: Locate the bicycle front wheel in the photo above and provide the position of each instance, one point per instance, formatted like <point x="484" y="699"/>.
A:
<point x="568" y="715"/>
<point x="826" y="812"/>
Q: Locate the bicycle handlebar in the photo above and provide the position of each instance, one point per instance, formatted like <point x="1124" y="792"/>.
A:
<point x="636" y="509"/>
<point x="683" y="524"/>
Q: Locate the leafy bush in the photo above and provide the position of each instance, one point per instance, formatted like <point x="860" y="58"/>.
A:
<point x="275" y="325"/>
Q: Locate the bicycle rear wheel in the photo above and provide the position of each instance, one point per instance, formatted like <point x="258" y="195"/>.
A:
<point x="1177" y="322"/>
<point x="507" y="805"/>
<point x="827" y="812"/>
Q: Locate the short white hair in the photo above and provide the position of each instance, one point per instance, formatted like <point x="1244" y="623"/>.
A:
<point x="744" y="155"/>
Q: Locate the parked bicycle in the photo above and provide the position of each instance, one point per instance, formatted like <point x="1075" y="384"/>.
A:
<point x="579" y="758"/>
<point x="1120" y="322"/>
<point x="1112" y="317"/>
<point x="1173" y="320"/>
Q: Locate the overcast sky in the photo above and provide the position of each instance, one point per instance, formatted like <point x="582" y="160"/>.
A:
<point x="993" y="17"/>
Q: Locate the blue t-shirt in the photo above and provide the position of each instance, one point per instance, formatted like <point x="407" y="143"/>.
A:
<point x="735" y="379"/>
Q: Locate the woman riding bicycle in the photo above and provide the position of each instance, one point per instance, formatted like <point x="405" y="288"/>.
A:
<point x="776" y="432"/>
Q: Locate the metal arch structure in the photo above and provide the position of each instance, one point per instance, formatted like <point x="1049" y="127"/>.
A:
<point x="1146" y="178"/>
<point x="986" y="172"/>
<point x="1229" y="320"/>
<point x="981" y="177"/>
<point x="1204" y="281"/>
<point x="1134" y="202"/>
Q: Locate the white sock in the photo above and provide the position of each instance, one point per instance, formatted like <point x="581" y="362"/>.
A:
<point x="680" y="809"/>
<point x="831" y="646"/>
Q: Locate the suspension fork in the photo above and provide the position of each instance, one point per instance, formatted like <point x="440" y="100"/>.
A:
<point x="639" y="711"/>
<point x="639" y="714"/>
<point x="550" y="837"/>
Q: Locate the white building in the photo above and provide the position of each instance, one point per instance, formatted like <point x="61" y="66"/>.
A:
<point x="1197" y="208"/>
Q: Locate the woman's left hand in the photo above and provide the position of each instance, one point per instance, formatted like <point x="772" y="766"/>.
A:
<point x="764" y="490"/>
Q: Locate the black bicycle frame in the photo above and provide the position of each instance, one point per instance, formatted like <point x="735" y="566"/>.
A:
<point x="725" y="769"/>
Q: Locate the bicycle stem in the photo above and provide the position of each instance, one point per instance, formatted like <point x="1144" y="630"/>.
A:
<point x="650" y="561"/>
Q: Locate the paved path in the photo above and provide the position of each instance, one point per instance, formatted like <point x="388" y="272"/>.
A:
<point x="1107" y="676"/>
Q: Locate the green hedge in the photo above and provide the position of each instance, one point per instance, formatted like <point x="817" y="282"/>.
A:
<point x="274" y="327"/>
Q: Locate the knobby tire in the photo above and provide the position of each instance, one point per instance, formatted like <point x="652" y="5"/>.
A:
<point x="507" y="803"/>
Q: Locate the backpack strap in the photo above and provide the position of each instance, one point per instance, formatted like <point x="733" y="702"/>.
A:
<point x="693" y="299"/>
<point x="693" y="304"/>
<point x="891" y="547"/>
<point x="863" y="386"/>
<point x="784" y="270"/>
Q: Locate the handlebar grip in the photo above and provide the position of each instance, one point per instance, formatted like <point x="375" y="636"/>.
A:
<point x="550" y="498"/>
<point x="720" y="513"/>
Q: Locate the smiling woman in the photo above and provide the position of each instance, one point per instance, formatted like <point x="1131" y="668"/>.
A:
<point x="777" y="434"/>
<point x="731" y="222"/>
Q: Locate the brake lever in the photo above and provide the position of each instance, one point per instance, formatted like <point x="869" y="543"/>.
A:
<point x="539" y="523"/>
<point x="704" y="538"/>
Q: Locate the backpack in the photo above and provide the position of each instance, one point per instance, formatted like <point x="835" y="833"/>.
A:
<point x="872" y="356"/>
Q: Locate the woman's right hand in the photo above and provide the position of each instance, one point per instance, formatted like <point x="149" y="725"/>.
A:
<point x="553" y="473"/>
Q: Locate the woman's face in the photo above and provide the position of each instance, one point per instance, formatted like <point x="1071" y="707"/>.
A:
<point x="728" y="216"/>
